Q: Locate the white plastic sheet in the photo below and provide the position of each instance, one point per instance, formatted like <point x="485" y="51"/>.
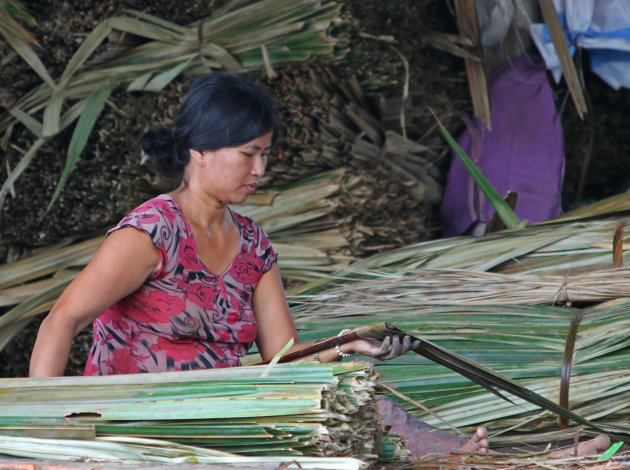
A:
<point x="602" y="27"/>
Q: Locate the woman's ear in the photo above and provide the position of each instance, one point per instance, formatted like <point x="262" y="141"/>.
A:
<point x="197" y="156"/>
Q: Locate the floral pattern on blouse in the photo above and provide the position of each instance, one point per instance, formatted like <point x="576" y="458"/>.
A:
<point x="184" y="317"/>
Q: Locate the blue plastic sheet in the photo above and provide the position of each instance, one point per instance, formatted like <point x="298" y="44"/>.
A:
<point x="601" y="27"/>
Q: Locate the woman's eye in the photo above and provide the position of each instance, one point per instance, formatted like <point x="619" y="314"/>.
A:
<point x="250" y="155"/>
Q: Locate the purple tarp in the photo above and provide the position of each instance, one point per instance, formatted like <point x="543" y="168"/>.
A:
<point x="523" y="153"/>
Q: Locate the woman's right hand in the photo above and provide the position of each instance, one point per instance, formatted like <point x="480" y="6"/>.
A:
<point x="392" y="346"/>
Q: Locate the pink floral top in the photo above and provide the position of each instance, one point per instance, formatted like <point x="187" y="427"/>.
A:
<point x="184" y="317"/>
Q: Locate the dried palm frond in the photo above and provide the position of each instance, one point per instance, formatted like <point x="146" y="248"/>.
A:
<point x="466" y="18"/>
<point x="616" y="205"/>
<point x="299" y="409"/>
<point x="299" y="220"/>
<point x="421" y="286"/>
<point x="559" y="249"/>
<point x="17" y="36"/>
<point x="559" y="40"/>
<point x="231" y="39"/>
<point x="331" y="122"/>
<point x="334" y="123"/>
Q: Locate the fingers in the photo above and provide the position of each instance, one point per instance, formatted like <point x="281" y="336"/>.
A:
<point x="392" y="346"/>
<point x="396" y="347"/>
<point x="385" y="346"/>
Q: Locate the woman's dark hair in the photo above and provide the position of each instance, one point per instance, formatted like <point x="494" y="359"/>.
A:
<point x="220" y="110"/>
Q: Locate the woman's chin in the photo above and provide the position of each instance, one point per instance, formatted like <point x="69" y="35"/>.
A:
<point x="238" y="199"/>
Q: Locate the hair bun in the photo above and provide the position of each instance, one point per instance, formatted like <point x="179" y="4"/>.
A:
<point x="160" y="145"/>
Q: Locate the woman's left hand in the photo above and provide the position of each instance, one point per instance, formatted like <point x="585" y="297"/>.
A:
<point x="389" y="348"/>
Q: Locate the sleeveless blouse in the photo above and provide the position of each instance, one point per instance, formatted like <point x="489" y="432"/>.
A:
<point x="184" y="317"/>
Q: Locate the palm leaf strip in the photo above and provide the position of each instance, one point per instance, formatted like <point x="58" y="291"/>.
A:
<point x="136" y="451"/>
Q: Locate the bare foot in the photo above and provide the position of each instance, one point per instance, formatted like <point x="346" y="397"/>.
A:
<point x="477" y="444"/>
<point x="597" y="445"/>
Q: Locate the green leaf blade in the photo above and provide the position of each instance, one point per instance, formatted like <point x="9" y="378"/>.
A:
<point x="502" y="209"/>
<point x="94" y="106"/>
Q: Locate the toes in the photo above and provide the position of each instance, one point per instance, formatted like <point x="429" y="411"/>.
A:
<point x="602" y="441"/>
<point x="598" y="444"/>
<point x="477" y="444"/>
<point x="480" y="441"/>
<point x="483" y="446"/>
<point x="481" y="433"/>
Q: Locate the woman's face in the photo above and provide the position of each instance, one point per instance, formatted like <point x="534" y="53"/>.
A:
<point x="231" y="174"/>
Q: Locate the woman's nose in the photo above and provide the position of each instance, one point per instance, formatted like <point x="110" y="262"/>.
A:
<point x="259" y="165"/>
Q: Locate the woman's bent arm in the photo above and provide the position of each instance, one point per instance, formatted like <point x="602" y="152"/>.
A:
<point x="276" y="328"/>
<point x="275" y="323"/>
<point x="122" y="264"/>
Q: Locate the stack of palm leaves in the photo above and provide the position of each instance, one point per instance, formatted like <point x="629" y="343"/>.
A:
<point x="442" y="291"/>
<point x="569" y="355"/>
<point x="299" y="219"/>
<point x="525" y="343"/>
<point x="560" y="249"/>
<point x="417" y="286"/>
<point x="298" y="409"/>
<point x="333" y="123"/>
<point x="152" y="453"/>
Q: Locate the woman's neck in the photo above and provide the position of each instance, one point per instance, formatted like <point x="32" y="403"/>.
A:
<point x="202" y="210"/>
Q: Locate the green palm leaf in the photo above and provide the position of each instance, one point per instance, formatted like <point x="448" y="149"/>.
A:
<point x="500" y="206"/>
<point x="93" y="107"/>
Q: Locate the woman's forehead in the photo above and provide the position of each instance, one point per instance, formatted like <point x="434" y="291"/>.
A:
<point x="259" y="143"/>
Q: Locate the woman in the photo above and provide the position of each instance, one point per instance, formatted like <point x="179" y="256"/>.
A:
<point x="185" y="282"/>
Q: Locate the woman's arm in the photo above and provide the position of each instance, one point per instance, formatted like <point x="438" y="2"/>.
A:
<point x="121" y="265"/>
<point x="276" y="328"/>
